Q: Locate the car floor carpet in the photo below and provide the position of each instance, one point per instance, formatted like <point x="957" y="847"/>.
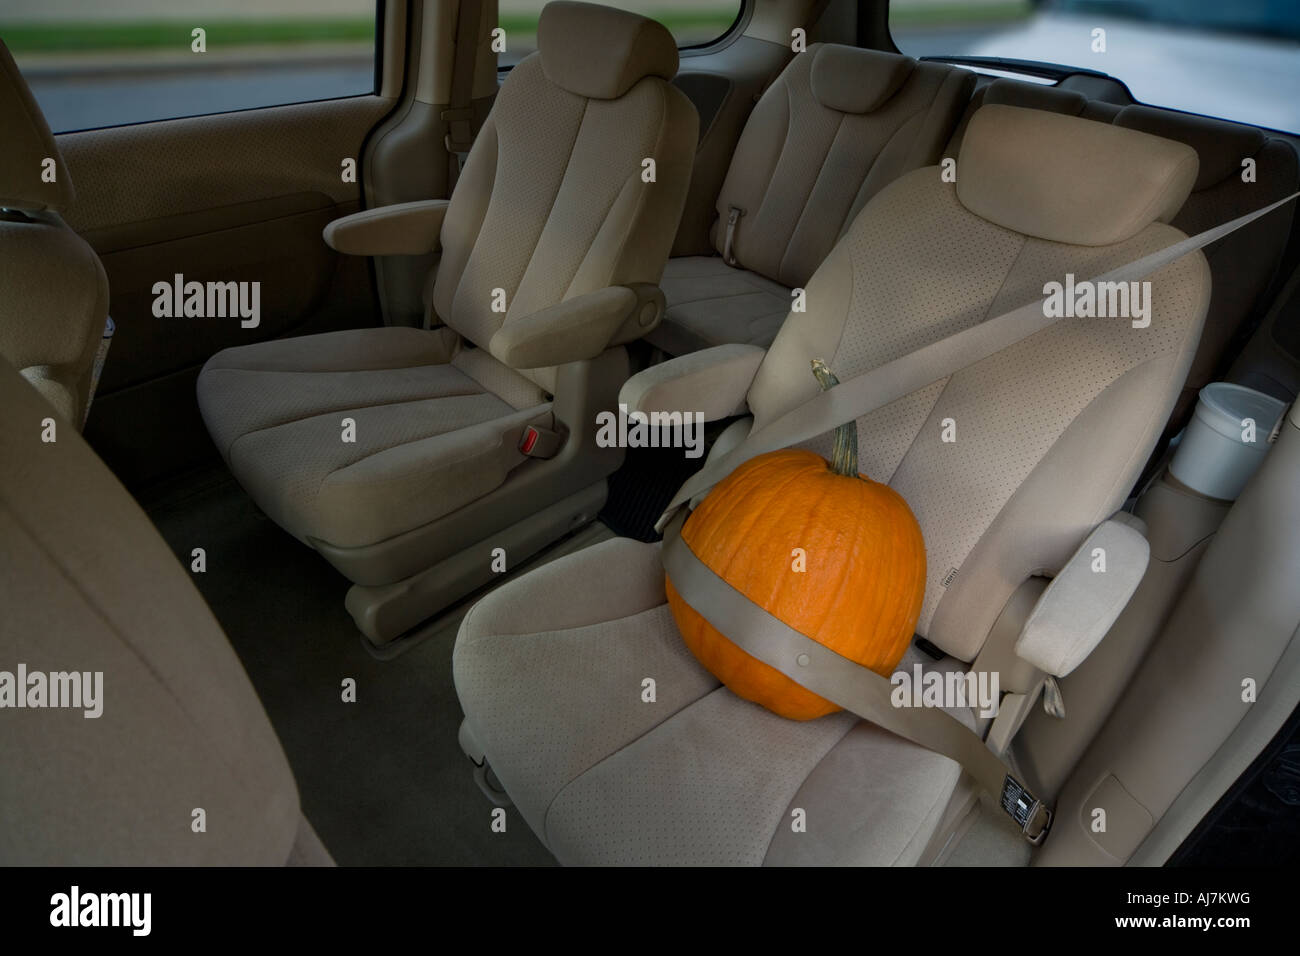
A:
<point x="383" y="779"/>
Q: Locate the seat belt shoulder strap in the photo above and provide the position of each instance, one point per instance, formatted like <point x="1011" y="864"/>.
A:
<point x="459" y="114"/>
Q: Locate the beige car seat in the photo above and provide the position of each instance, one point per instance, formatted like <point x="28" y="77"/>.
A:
<point x="1050" y="435"/>
<point x="396" y="452"/>
<point x="838" y="125"/>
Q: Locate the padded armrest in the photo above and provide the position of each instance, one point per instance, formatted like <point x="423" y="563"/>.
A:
<point x="402" y="229"/>
<point x="579" y="328"/>
<point x="713" y="381"/>
<point x="1083" y="601"/>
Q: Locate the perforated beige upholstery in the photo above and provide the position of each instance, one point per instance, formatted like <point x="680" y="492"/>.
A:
<point x="1050" y="436"/>
<point x="53" y="291"/>
<point x="552" y="205"/>
<point x="835" y="127"/>
<point x="88" y="587"/>
<point x="429" y="435"/>
<point x="1242" y="263"/>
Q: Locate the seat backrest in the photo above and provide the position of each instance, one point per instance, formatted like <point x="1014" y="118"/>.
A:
<point x="1242" y="264"/>
<point x="1009" y="463"/>
<point x="89" y="587"/>
<point x="53" y="291"/>
<point x="553" y="201"/>
<point x="834" y="128"/>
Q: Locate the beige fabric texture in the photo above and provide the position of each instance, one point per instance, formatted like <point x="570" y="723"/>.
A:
<point x="855" y="80"/>
<point x="88" y="585"/>
<point x="402" y="229"/>
<point x="1080" y="604"/>
<point x="710" y="303"/>
<point x="713" y="382"/>
<point x="836" y="126"/>
<point x="802" y="170"/>
<point x="1050" y="435"/>
<point x="552" y="689"/>
<point x="1086" y="397"/>
<point x="551" y="204"/>
<point x="28" y="144"/>
<point x="429" y="436"/>
<point x="601" y="52"/>
<point x="1119" y="180"/>
<point x="53" y="291"/>
<point x="575" y="329"/>
<point x="53" y="306"/>
<point x="1243" y="263"/>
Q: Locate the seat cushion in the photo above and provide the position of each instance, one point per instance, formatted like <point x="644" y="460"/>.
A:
<point x="430" y="434"/>
<point x="553" y="691"/>
<point x="709" y="303"/>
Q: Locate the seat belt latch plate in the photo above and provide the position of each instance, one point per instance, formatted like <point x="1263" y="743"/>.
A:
<point x="1033" y="816"/>
<point x="538" y="442"/>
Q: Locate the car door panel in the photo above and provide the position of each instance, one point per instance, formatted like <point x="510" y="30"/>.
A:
<point x="235" y="197"/>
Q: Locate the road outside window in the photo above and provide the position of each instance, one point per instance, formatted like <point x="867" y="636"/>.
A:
<point x="1234" y="60"/>
<point x="92" y="65"/>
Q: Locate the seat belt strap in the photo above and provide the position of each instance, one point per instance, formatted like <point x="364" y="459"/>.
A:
<point x="729" y="242"/>
<point x="886" y="383"/>
<point x="459" y="114"/>
<point x="101" y="358"/>
<point x="844" y="682"/>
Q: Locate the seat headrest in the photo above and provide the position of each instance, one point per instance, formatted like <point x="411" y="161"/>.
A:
<point x="1067" y="179"/>
<point x="1220" y="146"/>
<point x="26" y="145"/>
<point x="853" y="80"/>
<point x="1033" y="96"/>
<point x="599" y="52"/>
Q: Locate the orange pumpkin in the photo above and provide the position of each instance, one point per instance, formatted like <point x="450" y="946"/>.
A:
<point x="861" y="592"/>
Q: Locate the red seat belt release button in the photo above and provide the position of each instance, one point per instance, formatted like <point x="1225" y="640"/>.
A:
<point x="540" y="442"/>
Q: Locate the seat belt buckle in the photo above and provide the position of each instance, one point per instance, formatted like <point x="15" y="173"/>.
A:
<point x="538" y="442"/>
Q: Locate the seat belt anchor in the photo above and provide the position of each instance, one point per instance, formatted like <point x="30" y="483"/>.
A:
<point x="728" y="245"/>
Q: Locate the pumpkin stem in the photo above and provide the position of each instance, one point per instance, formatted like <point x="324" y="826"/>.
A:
<point x="844" y="452"/>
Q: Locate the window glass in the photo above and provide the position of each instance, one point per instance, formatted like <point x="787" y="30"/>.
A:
<point x="1235" y="59"/>
<point x="692" y="22"/>
<point x="94" y="64"/>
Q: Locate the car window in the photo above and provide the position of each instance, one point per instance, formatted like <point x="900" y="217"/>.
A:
<point x="692" y="22"/>
<point x="1238" y="60"/>
<point x="131" y="61"/>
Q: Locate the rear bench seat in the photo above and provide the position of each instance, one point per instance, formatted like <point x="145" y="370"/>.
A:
<point x="1242" y="264"/>
<point x="835" y="127"/>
